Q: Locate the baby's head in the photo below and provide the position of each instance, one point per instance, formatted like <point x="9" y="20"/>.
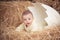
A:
<point x="27" y="18"/>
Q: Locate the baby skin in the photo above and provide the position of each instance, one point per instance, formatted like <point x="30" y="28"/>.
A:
<point x="27" y="19"/>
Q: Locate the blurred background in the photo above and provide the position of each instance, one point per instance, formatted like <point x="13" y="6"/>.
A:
<point x="53" y="3"/>
<point x="10" y="18"/>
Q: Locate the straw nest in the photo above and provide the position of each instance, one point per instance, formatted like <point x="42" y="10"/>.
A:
<point x="10" y="18"/>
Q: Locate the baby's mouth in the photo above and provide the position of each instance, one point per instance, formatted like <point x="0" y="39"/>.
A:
<point x="28" y="23"/>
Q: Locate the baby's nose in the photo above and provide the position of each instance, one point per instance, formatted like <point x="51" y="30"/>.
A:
<point x="27" y="20"/>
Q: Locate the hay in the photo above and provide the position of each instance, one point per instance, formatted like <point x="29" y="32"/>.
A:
<point x="10" y="18"/>
<point x="47" y="34"/>
<point x="53" y="3"/>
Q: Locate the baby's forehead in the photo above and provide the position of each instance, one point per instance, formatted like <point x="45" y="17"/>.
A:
<point x="29" y="14"/>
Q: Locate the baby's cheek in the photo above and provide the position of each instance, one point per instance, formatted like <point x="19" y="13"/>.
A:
<point x="30" y="21"/>
<point x="25" y="22"/>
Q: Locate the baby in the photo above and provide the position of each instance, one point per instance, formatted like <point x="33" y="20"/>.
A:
<point x="27" y="18"/>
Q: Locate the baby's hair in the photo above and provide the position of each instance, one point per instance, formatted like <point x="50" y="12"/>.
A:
<point x="27" y="12"/>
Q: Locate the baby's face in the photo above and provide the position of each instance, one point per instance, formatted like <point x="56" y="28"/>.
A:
<point x="27" y="19"/>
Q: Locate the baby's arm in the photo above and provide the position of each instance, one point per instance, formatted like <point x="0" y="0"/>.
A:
<point x="20" y="28"/>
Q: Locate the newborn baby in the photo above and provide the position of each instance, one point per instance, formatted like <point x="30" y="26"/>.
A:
<point x="29" y="24"/>
<point x="27" y="18"/>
